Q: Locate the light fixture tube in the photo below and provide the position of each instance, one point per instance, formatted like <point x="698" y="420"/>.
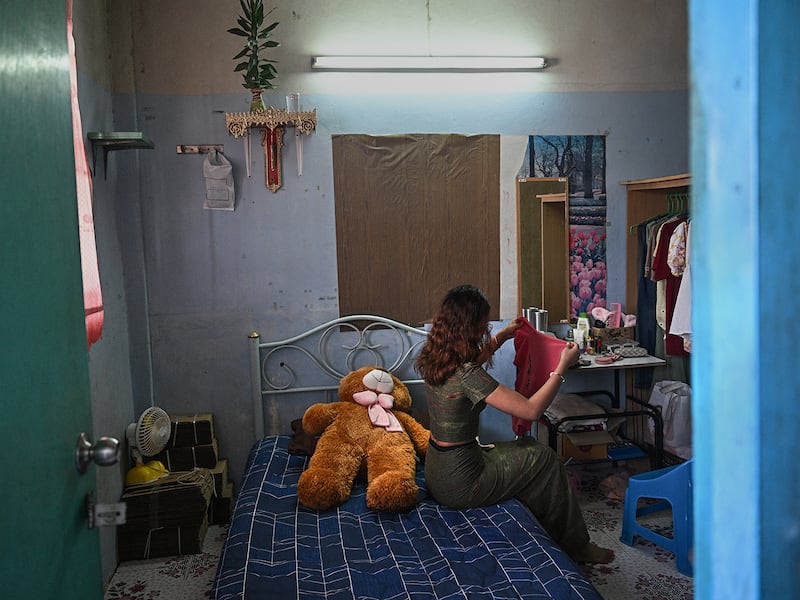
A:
<point x="428" y="63"/>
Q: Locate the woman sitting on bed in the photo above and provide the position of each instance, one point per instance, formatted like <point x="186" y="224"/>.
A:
<point x="461" y="474"/>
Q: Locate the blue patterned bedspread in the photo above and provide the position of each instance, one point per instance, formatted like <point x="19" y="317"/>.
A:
<point x="277" y="548"/>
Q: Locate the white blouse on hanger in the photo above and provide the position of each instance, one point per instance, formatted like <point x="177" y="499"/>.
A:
<point x="681" y="324"/>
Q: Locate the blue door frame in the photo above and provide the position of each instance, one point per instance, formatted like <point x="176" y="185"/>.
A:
<point x="745" y="113"/>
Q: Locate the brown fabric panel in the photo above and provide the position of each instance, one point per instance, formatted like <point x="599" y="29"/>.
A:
<point x="415" y="215"/>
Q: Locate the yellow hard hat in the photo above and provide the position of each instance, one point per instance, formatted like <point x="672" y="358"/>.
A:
<point x="158" y="466"/>
<point x="144" y="474"/>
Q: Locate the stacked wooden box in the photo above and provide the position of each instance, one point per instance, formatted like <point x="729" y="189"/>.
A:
<point x="193" y="445"/>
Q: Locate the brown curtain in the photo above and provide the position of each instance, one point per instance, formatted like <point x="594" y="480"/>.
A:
<point x="415" y="215"/>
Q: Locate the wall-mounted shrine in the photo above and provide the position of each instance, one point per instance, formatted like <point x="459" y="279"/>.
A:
<point x="272" y="123"/>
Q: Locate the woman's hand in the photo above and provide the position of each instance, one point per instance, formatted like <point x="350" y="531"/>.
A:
<point x="569" y="356"/>
<point x="501" y="337"/>
<point x="507" y="332"/>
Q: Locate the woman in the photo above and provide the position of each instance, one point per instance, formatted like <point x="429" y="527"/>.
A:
<point x="458" y="472"/>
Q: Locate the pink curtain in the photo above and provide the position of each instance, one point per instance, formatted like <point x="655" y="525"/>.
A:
<point x="92" y="297"/>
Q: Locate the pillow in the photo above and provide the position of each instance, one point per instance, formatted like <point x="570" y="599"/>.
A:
<point x="301" y="442"/>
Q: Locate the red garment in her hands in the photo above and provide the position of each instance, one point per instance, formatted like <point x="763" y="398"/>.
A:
<point x="537" y="355"/>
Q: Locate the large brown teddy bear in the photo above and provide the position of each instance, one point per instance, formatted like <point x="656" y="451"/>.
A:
<point x="370" y="425"/>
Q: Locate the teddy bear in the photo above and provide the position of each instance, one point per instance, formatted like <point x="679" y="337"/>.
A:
<point x="370" y="425"/>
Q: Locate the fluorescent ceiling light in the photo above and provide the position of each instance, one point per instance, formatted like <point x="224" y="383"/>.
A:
<point x="428" y="63"/>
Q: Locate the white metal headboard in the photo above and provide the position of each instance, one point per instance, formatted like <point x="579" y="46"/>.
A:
<point x="315" y="361"/>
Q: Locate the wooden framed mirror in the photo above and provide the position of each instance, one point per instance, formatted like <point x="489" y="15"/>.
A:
<point x="543" y="245"/>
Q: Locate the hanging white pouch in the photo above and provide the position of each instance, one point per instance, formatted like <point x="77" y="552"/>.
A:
<point x="675" y="400"/>
<point x="218" y="173"/>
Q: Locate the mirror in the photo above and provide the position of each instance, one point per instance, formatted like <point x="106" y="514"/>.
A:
<point x="543" y="245"/>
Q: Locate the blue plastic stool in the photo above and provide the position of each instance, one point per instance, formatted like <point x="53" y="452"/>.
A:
<point x="673" y="486"/>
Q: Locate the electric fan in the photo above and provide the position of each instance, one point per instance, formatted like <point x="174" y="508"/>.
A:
<point x="147" y="437"/>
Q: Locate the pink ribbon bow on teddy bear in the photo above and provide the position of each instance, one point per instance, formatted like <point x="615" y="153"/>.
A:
<point x="378" y="399"/>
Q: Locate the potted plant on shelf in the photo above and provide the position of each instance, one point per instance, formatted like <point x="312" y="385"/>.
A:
<point x="258" y="72"/>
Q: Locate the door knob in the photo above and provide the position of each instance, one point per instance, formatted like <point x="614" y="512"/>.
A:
<point x="104" y="452"/>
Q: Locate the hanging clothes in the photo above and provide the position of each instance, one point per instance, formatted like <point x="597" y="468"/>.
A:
<point x="657" y="244"/>
<point x="680" y="262"/>
<point x="673" y="345"/>
<point x="646" y="309"/>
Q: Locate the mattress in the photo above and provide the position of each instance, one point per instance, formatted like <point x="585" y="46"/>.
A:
<point x="276" y="548"/>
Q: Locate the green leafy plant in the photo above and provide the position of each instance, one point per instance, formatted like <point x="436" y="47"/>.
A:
<point x="258" y="72"/>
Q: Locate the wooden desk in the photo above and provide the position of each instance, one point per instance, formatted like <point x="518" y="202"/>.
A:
<point x="643" y="410"/>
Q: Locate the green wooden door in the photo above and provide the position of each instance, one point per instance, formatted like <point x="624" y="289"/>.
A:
<point x="47" y="550"/>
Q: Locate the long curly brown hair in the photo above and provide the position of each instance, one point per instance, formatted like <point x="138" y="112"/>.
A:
<point x="458" y="332"/>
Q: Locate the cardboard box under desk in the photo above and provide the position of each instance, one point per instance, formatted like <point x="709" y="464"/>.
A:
<point x="141" y="544"/>
<point x="190" y="457"/>
<point x="583" y="445"/>
<point x="586" y="445"/>
<point x="191" y="430"/>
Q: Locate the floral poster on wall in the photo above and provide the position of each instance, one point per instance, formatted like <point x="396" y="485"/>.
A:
<point x="582" y="160"/>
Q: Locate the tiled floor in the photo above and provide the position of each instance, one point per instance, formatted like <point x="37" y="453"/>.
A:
<point x="187" y="577"/>
<point x="643" y="571"/>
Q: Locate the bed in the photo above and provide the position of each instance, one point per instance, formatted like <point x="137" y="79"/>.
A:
<point x="276" y="548"/>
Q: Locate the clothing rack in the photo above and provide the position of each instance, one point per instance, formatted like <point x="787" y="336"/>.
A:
<point x="649" y="199"/>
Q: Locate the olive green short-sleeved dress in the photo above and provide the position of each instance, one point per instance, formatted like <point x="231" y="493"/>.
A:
<point x="469" y="475"/>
